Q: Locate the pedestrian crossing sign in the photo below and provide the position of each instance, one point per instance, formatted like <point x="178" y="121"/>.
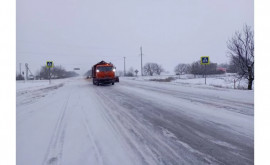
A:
<point x="49" y="64"/>
<point x="205" y="60"/>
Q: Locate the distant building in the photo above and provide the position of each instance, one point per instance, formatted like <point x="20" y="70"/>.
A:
<point x="221" y="69"/>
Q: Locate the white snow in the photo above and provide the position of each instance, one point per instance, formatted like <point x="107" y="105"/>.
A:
<point x="71" y="121"/>
<point x="219" y="81"/>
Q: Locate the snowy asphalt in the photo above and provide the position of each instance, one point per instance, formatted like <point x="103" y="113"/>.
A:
<point x="133" y="122"/>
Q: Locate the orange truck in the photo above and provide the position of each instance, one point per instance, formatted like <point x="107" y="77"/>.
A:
<point x="103" y="73"/>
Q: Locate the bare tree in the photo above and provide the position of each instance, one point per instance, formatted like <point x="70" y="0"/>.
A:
<point x="58" y="72"/>
<point x="152" y="68"/>
<point x="196" y="68"/>
<point x="241" y="51"/>
<point x="158" y="69"/>
<point x="148" y="69"/>
<point x="232" y="68"/>
<point x="210" y="68"/>
<point x="181" y="69"/>
<point x="130" y="72"/>
<point x="44" y="72"/>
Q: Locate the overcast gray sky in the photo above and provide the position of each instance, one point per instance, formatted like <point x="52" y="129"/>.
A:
<point x="80" y="33"/>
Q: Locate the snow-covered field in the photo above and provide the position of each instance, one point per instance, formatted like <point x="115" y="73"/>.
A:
<point x="134" y="122"/>
<point x="220" y="81"/>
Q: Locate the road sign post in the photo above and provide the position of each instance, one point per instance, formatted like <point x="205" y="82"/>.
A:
<point x="205" y="61"/>
<point x="204" y="74"/>
<point x="49" y="64"/>
<point x="49" y="75"/>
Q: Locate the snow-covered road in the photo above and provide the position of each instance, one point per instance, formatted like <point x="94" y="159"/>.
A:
<point x="72" y="122"/>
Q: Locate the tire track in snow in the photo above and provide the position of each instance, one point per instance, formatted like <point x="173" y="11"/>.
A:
<point x="230" y="105"/>
<point x="131" y="144"/>
<point x="182" y="127"/>
<point x="109" y="148"/>
<point x="146" y="156"/>
<point x="91" y="138"/>
<point x="54" y="151"/>
<point x="152" y="148"/>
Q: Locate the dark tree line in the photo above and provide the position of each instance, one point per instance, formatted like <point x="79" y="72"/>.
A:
<point x="57" y="72"/>
<point x="197" y="69"/>
<point x="149" y="69"/>
<point x="19" y="77"/>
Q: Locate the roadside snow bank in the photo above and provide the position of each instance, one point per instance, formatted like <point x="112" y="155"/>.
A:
<point x="33" y="90"/>
<point x="219" y="81"/>
<point x="31" y="84"/>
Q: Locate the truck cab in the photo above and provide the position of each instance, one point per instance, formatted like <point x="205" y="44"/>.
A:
<point x="103" y="73"/>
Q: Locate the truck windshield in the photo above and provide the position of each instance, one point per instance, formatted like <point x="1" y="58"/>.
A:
<point x="105" y="68"/>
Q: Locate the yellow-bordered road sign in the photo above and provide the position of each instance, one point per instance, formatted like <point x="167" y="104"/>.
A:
<point x="205" y="60"/>
<point x="49" y="64"/>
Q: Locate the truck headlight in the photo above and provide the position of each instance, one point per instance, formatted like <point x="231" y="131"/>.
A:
<point x="114" y="70"/>
<point x="97" y="70"/>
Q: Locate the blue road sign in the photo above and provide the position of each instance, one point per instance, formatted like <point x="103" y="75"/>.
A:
<point x="205" y="60"/>
<point x="49" y="64"/>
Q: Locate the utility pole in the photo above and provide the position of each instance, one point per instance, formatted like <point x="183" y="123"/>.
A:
<point x="26" y="71"/>
<point x="124" y="66"/>
<point x="141" y="62"/>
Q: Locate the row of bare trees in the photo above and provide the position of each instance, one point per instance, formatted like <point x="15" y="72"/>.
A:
<point x="197" y="69"/>
<point x="149" y="69"/>
<point x="56" y="72"/>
